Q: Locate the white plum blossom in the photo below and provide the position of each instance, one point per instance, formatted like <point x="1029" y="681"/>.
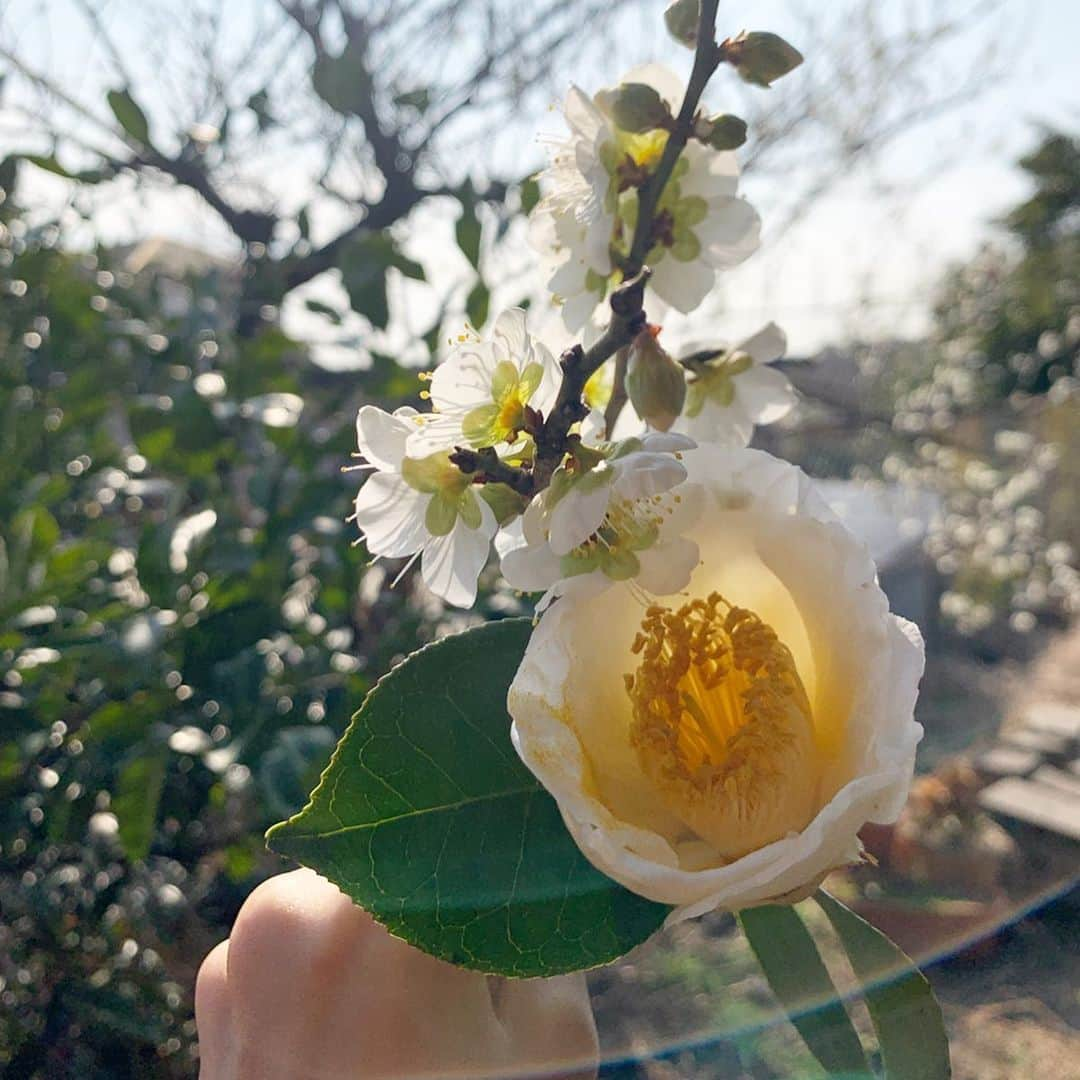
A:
<point x="607" y="516"/>
<point x="723" y="748"/>
<point x="700" y="225"/>
<point x="480" y="392"/>
<point x="733" y="389"/>
<point x="421" y="505"/>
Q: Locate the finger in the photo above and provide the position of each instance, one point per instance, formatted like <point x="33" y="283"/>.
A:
<point x="319" y="989"/>
<point x="550" y="1024"/>
<point x="213" y="1014"/>
<point x="293" y="944"/>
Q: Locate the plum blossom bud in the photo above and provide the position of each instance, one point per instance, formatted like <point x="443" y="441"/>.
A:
<point x="637" y="108"/>
<point x="722" y="132"/>
<point x="655" y="382"/>
<point x="682" y="18"/>
<point x="762" y="58"/>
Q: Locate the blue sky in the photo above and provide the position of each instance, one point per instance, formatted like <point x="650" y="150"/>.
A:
<point x="862" y="264"/>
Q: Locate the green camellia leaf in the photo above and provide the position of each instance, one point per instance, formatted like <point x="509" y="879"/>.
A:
<point x="427" y="818"/>
<point x="906" y="1015"/>
<point x="129" y="116"/>
<point x="791" y="963"/>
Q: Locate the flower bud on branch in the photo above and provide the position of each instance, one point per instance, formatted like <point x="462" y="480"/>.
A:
<point x="761" y="58"/>
<point x="721" y="132"/>
<point x="682" y="18"/>
<point x="637" y="108"/>
<point x="655" y="382"/>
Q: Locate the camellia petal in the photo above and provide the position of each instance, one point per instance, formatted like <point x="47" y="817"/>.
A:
<point x="724" y="749"/>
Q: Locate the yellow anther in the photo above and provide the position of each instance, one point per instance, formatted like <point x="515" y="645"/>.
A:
<point x="722" y="725"/>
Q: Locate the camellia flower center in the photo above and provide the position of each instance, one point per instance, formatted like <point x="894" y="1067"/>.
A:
<point x="722" y="725"/>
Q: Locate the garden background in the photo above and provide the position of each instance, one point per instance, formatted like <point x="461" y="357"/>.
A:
<point x="225" y="227"/>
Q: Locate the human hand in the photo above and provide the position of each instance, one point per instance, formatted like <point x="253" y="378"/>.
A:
<point x="310" y="987"/>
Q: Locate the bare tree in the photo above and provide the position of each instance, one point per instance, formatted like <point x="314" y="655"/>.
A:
<point x="372" y="100"/>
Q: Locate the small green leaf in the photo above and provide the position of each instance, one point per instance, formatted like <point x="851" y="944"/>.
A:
<point x="409" y="267"/>
<point x="363" y="264"/>
<point x="49" y="164"/>
<point x="259" y="104"/>
<point x="343" y="82"/>
<point x="420" y="100"/>
<point x="427" y="818"/>
<point x="129" y="116"/>
<point x="9" y="167"/>
<point x="788" y="956"/>
<point x="135" y="802"/>
<point x="530" y="194"/>
<point x="477" y="303"/>
<point x="364" y="278"/>
<point x="317" y="307"/>
<point x="468" y="233"/>
<point x="906" y="1015"/>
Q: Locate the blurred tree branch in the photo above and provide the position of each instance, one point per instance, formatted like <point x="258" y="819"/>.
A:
<point x="370" y="101"/>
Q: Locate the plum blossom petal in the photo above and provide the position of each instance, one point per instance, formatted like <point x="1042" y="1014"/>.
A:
<point x="733" y="389"/>
<point x="426" y="506"/>
<point x="480" y="392"/>
<point x="591" y="203"/>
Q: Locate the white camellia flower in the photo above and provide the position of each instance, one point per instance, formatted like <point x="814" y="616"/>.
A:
<point x="723" y="748"/>
<point x="479" y="393"/>
<point x="608" y="515"/>
<point x="732" y="390"/>
<point x="591" y="207"/>
<point x="424" y="506"/>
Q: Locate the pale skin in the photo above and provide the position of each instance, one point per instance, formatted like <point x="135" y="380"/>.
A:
<point x="309" y="987"/>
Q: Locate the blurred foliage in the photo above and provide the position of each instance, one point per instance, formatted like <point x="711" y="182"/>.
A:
<point x="1015" y="311"/>
<point x="994" y="414"/>
<point x="185" y="629"/>
<point x="984" y="413"/>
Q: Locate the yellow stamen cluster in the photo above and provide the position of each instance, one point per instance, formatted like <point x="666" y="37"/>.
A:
<point x="722" y="725"/>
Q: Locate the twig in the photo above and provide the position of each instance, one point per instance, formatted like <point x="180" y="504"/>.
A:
<point x="628" y="315"/>
<point x="707" y="58"/>
<point x="578" y="364"/>
<point x="486" y="467"/>
<point x="618" y="391"/>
